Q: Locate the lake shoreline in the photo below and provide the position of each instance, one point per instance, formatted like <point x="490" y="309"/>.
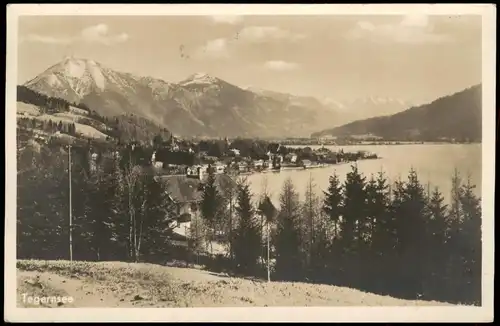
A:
<point x="435" y="166"/>
<point x="300" y="168"/>
<point x="381" y="144"/>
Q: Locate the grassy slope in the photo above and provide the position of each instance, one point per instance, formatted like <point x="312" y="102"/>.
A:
<point x="118" y="284"/>
<point x="83" y="124"/>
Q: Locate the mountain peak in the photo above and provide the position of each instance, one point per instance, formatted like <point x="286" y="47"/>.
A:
<point x="73" y="74"/>
<point x="199" y="78"/>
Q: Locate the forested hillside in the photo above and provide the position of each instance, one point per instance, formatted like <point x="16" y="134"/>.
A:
<point x="457" y="116"/>
<point x="45" y="116"/>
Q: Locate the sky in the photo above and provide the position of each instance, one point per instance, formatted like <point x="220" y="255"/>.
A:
<point x="415" y="58"/>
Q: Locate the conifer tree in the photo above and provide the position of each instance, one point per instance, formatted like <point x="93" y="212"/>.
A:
<point x="438" y="212"/>
<point x="436" y="244"/>
<point x="412" y="226"/>
<point x="310" y="217"/>
<point x="332" y="202"/>
<point x="211" y="205"/>
<point x="228" y="209"/>
<point x="98" y="214"/>
<point x="371" y="207"/>
<point x="353" y="210"/>
<point x="471" y="240"/>
<point x="267" y="211"/>
<point x="384" y="228"/>
<point x="247" y="234"/>
<point x="42" y="221"/>
<point x="157" y="217"/>
<point x="288" y="238"/>
<point x="197" y="235"/>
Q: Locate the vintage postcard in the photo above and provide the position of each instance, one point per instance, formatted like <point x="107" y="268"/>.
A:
<point x="250" y="162"/>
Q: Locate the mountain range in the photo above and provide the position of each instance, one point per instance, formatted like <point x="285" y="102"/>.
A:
<point x="457" y="116"/>
<point x="202" y="105"/>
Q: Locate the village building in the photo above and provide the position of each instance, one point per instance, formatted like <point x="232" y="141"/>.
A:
<point x="186" y="191"/>
<point x="236" y="152"/>
<point x="306" y="163"/>
<point x="219" y="167"/>
<point x="258" y="163"/>
<point x="93" y="162"/>
<point x="173" y="146"/>
<point x="243" y="166"/>
<point x="158" y="165"/>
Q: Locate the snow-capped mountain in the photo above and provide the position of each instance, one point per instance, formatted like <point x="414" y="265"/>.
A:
<point x="200" y="78"/>
<point x="199" y="105"/>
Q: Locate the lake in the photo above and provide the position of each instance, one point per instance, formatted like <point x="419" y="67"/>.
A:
<point x="434" y="164"/>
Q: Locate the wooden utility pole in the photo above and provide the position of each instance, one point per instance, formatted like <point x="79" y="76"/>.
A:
<point x="70" y="208"/>
<point x="268" y="261"/>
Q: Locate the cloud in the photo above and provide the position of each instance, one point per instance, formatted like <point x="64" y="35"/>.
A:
<point x="279" y="65"/>
<point x="100" y="34"/>
<point x="263" y="33"/>
<point x="411" y="29"/>
<point x="217" y="48"/>
<point x="226" y="19"/>
<point x="92" y="34"/>
<point x="222" y="47"/>
<point x="47" y="39"/>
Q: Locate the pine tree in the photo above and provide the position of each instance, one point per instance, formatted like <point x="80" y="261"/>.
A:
<point x="310" y="217"/>
<point x="42" y="216"/>
<point x="412" y="226"/>
<point x="371" y="211"/>
<point x="157" y="217"/>
<point x="456" y="215"/>
<point x="98" y="214"/>
<point x="211" y="205"/>
<point x="471" y="240"/>
<point x="288" y="241"/>
<point x="247" y="234"/>
<point x="438" y="226"/>
<point x="384" y="228"/>
<point x="268" y="212"/>
<point x="228" y="207"/>
<point x="353" y="210"/>
<point x="197" y="236"/>
<point x="436" y="245"/>
<point x="332" y="203"/>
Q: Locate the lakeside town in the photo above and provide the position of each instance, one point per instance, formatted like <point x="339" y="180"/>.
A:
<point x="241" y="157"/>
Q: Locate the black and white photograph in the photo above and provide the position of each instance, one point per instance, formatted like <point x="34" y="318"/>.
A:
<point x="246" y="156"/>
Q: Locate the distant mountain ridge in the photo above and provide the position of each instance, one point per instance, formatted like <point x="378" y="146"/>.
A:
<point x="457" y="116"/>
<point x="201" y="105"/>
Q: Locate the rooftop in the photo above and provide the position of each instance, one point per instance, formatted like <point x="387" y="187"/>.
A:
<point x="184" y="189"/>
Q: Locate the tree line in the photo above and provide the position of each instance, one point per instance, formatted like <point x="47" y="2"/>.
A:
<point x="50" y="104"/>
<point x="399" y="239"/>
<point x="118" y="211"/>
<point x="48" y="125"/>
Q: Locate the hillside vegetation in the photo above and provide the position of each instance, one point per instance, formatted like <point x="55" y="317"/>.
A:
<point x="456" y="116"/>
<point x="52" y="116"/>
<point x="118" y="284"/>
